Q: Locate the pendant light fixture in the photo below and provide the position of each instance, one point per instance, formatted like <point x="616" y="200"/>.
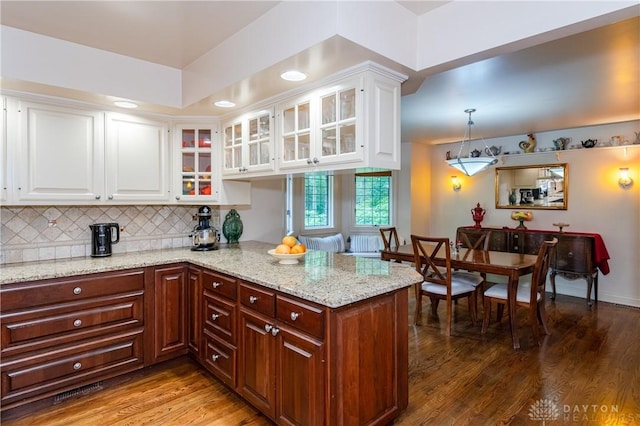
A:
<point x="471" y="165"/>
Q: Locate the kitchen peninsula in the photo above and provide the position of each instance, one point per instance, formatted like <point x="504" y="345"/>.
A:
<point x="320" y="342"/>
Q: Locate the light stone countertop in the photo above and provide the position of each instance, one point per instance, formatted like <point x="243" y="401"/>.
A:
<point x="332" y="280"/>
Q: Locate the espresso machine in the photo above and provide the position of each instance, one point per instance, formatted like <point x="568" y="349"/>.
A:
<point x="204" y="236"/>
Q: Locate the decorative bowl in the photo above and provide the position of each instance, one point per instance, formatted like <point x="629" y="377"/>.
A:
<point x="286" y="259"/>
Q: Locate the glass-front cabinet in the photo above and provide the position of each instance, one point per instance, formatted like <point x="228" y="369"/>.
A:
<point x="248" y="144"/>
<point x="338" y="125"/>
<point x="197" y="163"/>
<point x="322" y="128"/>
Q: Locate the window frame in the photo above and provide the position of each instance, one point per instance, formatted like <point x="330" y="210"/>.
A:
<point x="392" y="200"/>
<point x="331" y="202"/>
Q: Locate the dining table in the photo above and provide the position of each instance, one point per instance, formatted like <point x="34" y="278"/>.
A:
<point x="511" y="265"/>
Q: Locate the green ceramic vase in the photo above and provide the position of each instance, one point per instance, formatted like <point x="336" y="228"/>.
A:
<point x="232" y="227"/>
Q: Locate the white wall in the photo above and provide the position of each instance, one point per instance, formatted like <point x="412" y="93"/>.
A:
<point x="264" y="219"/>
<point x="595" y="201"/>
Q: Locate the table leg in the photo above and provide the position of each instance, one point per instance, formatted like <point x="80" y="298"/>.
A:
<point x="513" y="320"/>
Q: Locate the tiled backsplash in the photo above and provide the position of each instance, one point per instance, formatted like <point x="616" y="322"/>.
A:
<point x="62" y="232"/>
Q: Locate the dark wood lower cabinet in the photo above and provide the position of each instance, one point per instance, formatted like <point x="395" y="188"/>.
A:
<point x="170" y="312"/>
<point x="194" y="312"/>
<point x="297" y="362"/>
<point x="300" y="378"/>
<point x="61" y="334"/>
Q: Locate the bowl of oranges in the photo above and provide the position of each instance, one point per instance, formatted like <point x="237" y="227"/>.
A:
<point x="289" y="251"/>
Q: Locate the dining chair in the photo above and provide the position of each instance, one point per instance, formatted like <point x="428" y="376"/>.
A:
<point x="390" y="238"/>
<point x="474" y="240"/>
<point x="529" y="295"/>
<point x="438" y="281"/>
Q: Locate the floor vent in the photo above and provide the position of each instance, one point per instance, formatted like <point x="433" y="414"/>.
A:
<point x="84" y="390"/>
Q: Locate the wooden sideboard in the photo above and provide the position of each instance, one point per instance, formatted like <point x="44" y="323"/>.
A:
<point x="575" y="253"/>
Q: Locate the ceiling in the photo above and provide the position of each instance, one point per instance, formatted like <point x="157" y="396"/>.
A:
<point x="588" y="78"/>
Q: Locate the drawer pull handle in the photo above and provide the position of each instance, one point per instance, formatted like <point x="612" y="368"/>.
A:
<point x="570" y="254"/>
<point x="294" y="316"/>
<point x="216" y="284"/>
<point x="77" y="366"/>
<point x="275" y="331"/>
<point x="77" y="323"/>
<point x="252" y="299"/>
<point x="214" y="357"/>
<point x="77" y="290"/>
<point x="268" y="327"/>
<point x="214" y="316"/>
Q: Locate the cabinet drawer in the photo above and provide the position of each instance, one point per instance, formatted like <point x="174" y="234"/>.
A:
<point x="48" y="292"/>
<point x="220" y="317"/>
<point x="55" y="325"/>
<point x="46" y="373"/>
<point x="220" y="285"/>
<point x="303" y="316"/>
<point x="259" y="299"/>
<point x="220" y="358"/>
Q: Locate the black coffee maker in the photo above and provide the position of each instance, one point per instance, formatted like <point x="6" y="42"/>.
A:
<point x="205" y="237"/>
<point x="102" y="237"/>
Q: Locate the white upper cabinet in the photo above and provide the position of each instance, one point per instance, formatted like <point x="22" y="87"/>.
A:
<point x="353" y="122"/>
<point x="4" y="174"/>
<point x="197" y="171"/>
<point x="321" y="129"/>
<point x="57" y="152"/>
<point x="137" y="159"/>
<point x="247" y="145"/>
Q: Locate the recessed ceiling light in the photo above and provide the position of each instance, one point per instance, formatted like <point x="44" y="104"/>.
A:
<point x="225" y="104"/>
<point x="293" y="75"/>
<point x="125" y="104"/>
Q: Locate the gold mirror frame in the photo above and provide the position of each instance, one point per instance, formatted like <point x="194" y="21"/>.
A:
<point x="539" y="187"/>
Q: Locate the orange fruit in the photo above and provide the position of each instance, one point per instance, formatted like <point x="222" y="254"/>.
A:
<point x="303" y="247"/>
<point x="283" y="249"/>
<point x="297" y="249"/>
<point x="289" y="240"/>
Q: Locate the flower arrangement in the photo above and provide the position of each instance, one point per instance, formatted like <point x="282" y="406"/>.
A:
<point x="521" y="216"/>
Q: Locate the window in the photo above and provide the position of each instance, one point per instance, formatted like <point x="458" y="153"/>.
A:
<point x="373" y="198"/>
<point x="318" y="201"/>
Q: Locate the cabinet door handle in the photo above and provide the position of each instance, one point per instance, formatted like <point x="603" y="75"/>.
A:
<point x="77" y="323"/>
<point x="309" y="161"/>
<point x="216" y="284"/>
<point x="110" y="197"/>
<point x="177" y="197"/>
<point x="268" y="327"/>
<point x="570" y="254"/>
<point x="252" y="299"/>
<point x="77" y="290"/>
<point x="315" y="160"/>
<point x="294" y="316"/>
<point x="214" y="357"/>
<point x="275" y="331"/>
<point x="215" y="316"/>
<point x="97" y="197"/>
<point x="77" y="366"/>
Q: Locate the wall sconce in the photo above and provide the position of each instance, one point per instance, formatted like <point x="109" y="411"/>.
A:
<point x="625" y="181"/>
<point x="455" y="183"/>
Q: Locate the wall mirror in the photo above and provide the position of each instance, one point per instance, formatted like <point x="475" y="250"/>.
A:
<point x="542" y="187"/>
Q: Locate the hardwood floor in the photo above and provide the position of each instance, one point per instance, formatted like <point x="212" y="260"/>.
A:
<point x="586" y="372"/>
